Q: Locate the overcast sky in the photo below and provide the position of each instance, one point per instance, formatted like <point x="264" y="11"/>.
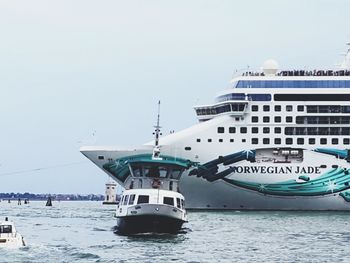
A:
<point x="80" y="72"/>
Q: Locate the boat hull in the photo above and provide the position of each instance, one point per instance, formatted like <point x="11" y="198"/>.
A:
<point x="128" y="225"/>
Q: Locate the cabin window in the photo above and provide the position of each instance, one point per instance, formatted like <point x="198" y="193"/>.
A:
<point x="255" y="130"/>
<point x="220" y="140"/>
<point x="101" y="157"/>
<point x="289" y="119"/>
<point x="232" y="140"/>
<point x="346" y="141"/>
<point x="266" y="119"/>
<point x="5" y="229"/>
<point x="277" y="129"/>
<point x="323" y="141"/>
<point x="335" y="141"/>
<point x="178" y="202"/>
<point x="255" y="118"/>
<point x="175" y="173"/>
<point x="163" y="172"/>
<point x="143" y="199"/>
<point x="232" y="130"/>
<point x="255" y="140"/>
<point x="300" y="107"/>
<point x="198" y="140"/>
<point x="289" y="108"/>
<point x="187" y="148"/>
<point x="312" y="141"/>
<point x="277" y="118"/>
<point x="244" y="140"/>
<point x="221" y="129"/>
<point x="300" y="141"/>
<point x="266" y="130"/>
<point x="209" y="140"/>
<point x="289" y="141"/>
<point x="277" y="107"/>
<point x="266" y="108"/>
<point x="182" y="203"/>
<point x="277" y="140"/>
<point x="131" y="200"/>
<point x="243" y="129"/>
<point x="126" y="199"/>
<point x="266" y="141"/>
<point x="168" y="201"/>
<point x="255" y="108"/>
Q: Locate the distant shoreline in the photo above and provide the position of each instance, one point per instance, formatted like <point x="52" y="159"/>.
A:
<point x="56" y="197"/>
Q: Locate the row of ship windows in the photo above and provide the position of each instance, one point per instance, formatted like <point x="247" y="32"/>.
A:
<point x="292" y="130"/>
<point x="266" y="119"/>
<point x="293" y="84"/>
<point x="323" y="120"/>
<point x="309" y="108"/>
<point x="277" y="108"/>
<point x="288" y="141"/>
<point x="301" y="141"/>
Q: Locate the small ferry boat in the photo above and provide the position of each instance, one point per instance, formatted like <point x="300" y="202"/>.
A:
<point x="151" y="201"/>
<point x="9" y="237"/>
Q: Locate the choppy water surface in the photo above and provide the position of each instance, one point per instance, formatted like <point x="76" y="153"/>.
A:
<point x="83" y="232"/>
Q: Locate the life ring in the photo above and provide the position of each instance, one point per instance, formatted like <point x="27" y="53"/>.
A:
<point x="156" y="183"/>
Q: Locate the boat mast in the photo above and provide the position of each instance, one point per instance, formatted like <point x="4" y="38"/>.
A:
<point x="156" y="149"/>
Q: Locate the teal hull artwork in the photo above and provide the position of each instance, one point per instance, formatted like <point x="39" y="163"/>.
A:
<point x="334" y="181"/>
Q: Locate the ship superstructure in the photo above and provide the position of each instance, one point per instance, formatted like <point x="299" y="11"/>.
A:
<point x="276" y="139"/>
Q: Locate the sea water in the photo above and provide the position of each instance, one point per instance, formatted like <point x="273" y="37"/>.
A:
<point x="84" y="232"/>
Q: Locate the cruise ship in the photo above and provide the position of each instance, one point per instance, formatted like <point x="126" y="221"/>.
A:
<point x="275" y="140"/>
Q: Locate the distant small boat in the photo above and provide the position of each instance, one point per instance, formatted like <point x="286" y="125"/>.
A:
<point x="49" y="202"/>
<point x="9" y="237"/>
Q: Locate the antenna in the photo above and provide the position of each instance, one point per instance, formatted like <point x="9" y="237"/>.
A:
<point x="156" y="150"/>
<point x="157" y="130"/>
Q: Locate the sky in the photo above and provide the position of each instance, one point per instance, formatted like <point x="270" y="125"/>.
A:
<point x="83" y="72"/>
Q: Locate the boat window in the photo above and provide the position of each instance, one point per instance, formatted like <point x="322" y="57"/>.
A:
<point x="175" y="174"/>
<point x="277" y="129"/>
<point x="232" y="130"/>
<point x="182" y="203"/>
<point x="232" y="140"/>
<point x="243" y="129"/>
<point x="209" y="140"/>
<point x="126" y="200"/>
<point x="168" y="201"/>
<point x="198" y="140"/>
<point x="137" y="171"/>
<point x="187" y="148"/>
<point x="131" y="200"/>
<point x="178" y="203"/>
<point x="255" y="108"/>
<point x="255" y="119"/>
<point x="277" y="140"/>
<point x="266" y="130"/>
<point x="335" y="141"/>
<point x="163" y="171"/>
<point x="277" y="118"/>
<point x="143" y="199"/>
<point x="121" y="200"/>
<point x="5" y="229"/>
<point x="346" y="141"/>
<point x="266" y="141"/>
<point x="221" y="140"/>
<point x="300" y="107"/>
<point x="266" y="119"/>
<point x="323" y="141"/>
<point x="255" y="130"/>
<point x="312" y="97"/>
<point x="255" y="140"/>
<point x="300" y="141"/>
<point x="266" y="108"/>
<point x="312" y="141"/>
<point x="289" y="119"/>
<point x="289" y="141"/>
<point x="221" y="129"/>
<point x="277" y="107"/>
<point x="289" y="108"/>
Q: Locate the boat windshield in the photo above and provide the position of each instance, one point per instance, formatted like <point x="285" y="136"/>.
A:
<point x="5" y="229"/>
<point x="156" y="171"/>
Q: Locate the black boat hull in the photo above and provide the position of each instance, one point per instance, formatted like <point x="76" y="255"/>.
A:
<point x="128" y="225"/>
